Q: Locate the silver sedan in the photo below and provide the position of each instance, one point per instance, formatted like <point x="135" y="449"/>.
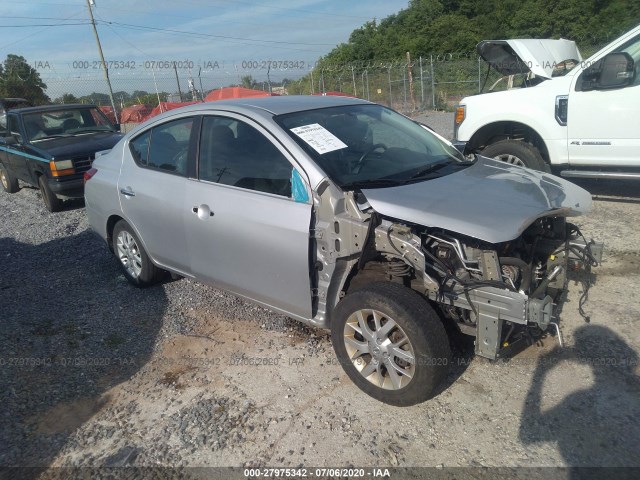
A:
<point x="345" y="215"/>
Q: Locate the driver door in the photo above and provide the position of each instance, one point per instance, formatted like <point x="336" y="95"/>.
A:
<point x="603" y="124"/>
<point x="16" y="154"/>
<point x="245" y="231"/>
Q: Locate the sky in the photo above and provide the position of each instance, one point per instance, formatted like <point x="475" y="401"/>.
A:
<point x="212" y="41"/>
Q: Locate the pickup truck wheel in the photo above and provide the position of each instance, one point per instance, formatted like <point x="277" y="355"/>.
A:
<point x="391" y="343"/>
<point x="138" y="267"/>
<point x="9" y="182"/>
<point x="518" y="153"/>
<point x="52" y="202"/>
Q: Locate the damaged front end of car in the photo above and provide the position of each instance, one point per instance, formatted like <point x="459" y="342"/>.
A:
<point x="497" y="269"/>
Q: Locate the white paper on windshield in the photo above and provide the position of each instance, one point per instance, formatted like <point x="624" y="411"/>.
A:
<point x="319" y="138"/>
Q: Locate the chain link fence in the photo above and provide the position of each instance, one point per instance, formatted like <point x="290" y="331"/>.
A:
<point x="431" y="82"/>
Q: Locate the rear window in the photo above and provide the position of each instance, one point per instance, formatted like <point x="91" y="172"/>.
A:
<point x="165" y="147"/>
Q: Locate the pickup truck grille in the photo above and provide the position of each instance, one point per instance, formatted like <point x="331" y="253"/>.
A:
<point x="82" y="164"/>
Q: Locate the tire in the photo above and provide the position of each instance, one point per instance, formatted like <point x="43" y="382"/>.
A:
<point x="51" y="201"/>
<point x="136" y="264"/>
<point x="516" y="152"/>
<point x="9" y="182"/>
<point x="422" y="360"/>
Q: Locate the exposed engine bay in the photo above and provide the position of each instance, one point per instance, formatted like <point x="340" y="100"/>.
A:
<point x="505" y="294"/>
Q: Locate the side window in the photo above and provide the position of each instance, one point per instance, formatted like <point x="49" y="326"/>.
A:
<point x="235" y="153"/>
<point x="165" y="147"/>
<point x="632" y="47"/>
<point x="139" y="147"/>
<point x="13" y="127"/>
<point x="169" y="148"/>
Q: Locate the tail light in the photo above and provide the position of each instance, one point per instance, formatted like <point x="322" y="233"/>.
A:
<point x="89" y="173"/>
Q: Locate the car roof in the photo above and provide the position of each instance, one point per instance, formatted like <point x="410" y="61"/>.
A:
<point x="49" y="108"/>
<point x="278" y="105"/>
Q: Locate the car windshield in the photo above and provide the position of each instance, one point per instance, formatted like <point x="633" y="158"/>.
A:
<point x="65" y="122"/>
<point x="370" y="146"/>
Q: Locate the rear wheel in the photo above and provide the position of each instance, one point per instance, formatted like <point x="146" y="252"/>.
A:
<point x="138" y="267"/>
<point x="51" y="201"/>
<point x="516" y="152"/>
<point x="9" y="182"/>
<point x="391" y="343"/>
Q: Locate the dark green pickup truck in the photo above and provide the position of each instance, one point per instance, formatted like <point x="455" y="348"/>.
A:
<point x="50" y="147"/>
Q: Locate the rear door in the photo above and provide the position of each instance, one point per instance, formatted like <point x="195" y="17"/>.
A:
<point x="152" y="188"/>
<point x="245" y="231"/>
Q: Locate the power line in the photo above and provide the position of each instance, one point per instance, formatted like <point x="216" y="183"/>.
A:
<point x="39" y="31"/>
<point x="44" y="25"/>
<point x="37" y="18"/>
<point x="236" y="42"/>
<point x="198" y="34"/>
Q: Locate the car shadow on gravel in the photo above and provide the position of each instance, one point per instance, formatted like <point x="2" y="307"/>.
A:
<point x="67" y="203"/>
<point x="596" y="426"/>
<point x="71" y="328"/>
<point x="625" y="191"/>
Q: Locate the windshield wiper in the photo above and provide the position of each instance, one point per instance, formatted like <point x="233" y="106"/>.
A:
<point x="435" y="167"/>
<point x="373" y="183"/>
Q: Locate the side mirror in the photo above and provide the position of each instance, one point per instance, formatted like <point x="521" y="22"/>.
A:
<point x="616" y="70"/>
<point x="117" y="127"/>
<point x="10" y="140"/>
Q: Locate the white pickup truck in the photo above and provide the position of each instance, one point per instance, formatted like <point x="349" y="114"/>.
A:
<point x="579" y="117"/>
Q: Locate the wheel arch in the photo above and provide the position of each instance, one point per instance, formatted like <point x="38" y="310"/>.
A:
<point x="351" y="276"/>
<point x="111" y="223"/>
<point x="507" y="130"/>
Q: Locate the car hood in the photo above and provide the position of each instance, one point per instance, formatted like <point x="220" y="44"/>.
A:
<point x="490" y="200"/>
<point x="541" y="57"/>
<point x="75" y="146"/>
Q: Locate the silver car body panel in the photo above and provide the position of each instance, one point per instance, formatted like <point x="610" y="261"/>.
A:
<point x="238" y="245"/>
<point x="103" y="201"/>
<point x="490" y="200"/>
<point x="158" y="201"/>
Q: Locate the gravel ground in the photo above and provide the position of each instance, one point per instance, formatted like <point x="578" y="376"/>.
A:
<point x="441" y="122"/>
<point x="94" y="372"/>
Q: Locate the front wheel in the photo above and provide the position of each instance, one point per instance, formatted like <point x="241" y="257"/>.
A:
<point x="391" y="343"/>
<point x="51" y="201"/>
<point x="9" y="182"/>
<point x="518" y="153"/>
<point x="138" y="267"/>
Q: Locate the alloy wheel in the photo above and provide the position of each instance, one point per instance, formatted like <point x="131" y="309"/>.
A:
<point x="129" y="253"/>
<point x="379" y="349"/>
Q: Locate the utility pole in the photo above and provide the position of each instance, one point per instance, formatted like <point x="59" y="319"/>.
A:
<point x="410" y="68"/>
<point x="200" y="79"/>
<point x="104" y="64"/>
<point x="175" y="69"/>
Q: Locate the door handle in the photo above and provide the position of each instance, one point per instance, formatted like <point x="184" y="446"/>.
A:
<point x="203" y="211"/>
<point x="128" y="192"/>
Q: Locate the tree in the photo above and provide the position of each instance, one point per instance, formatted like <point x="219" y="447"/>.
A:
<point x="67" y="98"/>
<point x="19" y="79"/>
<point x="248" y="82"/>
